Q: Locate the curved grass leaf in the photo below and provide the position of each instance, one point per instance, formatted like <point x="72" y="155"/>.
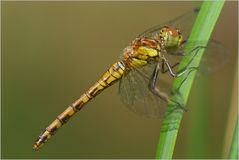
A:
<point x="202" y="29"/>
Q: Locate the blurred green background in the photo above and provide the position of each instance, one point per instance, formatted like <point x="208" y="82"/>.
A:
<point x="53" y="51"/>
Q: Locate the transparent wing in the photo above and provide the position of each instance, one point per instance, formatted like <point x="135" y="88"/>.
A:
<point x="135" y="94"/>
<point x="214" y="57"/>
<point x="183" y="23"/>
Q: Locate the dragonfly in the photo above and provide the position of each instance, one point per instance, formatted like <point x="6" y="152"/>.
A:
<point x="137" y="72"/>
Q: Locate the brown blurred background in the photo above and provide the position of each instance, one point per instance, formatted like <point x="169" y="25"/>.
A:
<point x="53" y="51"/>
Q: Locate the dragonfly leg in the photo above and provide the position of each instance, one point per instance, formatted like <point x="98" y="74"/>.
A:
<point x="179" y="73"/>
<point x="196" y="49"/>
<point x="152" y="85"/>
<point x="165" y="70"/>
<point x="187" y="70"/>
<point x="157" y="92"/>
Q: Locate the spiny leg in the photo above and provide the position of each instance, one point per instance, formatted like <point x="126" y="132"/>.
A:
<point x="172" y="73"/>
<point x="191" y="68"/>
<point x="165" y="70"/>
<point x="185" y="70"/>
<point x="153" y="88"/>
<point x="176" y="74"/>
<point x="162" y="95"/>
<point x="169" y="67"/>
<point x="152" y="84"/>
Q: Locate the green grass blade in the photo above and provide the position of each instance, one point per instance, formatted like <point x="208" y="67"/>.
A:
<point x="201" y="31"/>
<point x="234" y="144"/>
<point x="198" y="127"/>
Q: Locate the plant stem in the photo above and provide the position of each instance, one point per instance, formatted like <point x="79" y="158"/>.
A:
<point x="202" y="29"/>
<point x="234" y="144"/>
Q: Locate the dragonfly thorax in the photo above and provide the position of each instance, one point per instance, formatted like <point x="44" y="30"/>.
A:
<point x="141" y="52"/>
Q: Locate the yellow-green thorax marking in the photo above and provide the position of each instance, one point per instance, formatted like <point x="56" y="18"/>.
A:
<point x="141" y="52"/>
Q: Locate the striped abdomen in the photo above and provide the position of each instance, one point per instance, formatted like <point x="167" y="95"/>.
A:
<point x="113" y="74"/>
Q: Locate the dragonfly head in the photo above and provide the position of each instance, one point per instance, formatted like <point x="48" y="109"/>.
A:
<point x="171" y="37"/>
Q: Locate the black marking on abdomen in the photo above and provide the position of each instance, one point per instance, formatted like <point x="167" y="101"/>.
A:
<point x="117" y="70"/>
<point x="66" y="118"/>
<point x="81" y="104"/>
<point x="74" y="109"/>
<point x="60" y="120"/>
<point x="53" y="130"/>
<point x="87" y="93"/>
<point x="43" y="139"/>
<point x="113" y="76"/>
<point x="92" y="92"/>
<point x="106" y="78"/>
<point x="101" y="84"/>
